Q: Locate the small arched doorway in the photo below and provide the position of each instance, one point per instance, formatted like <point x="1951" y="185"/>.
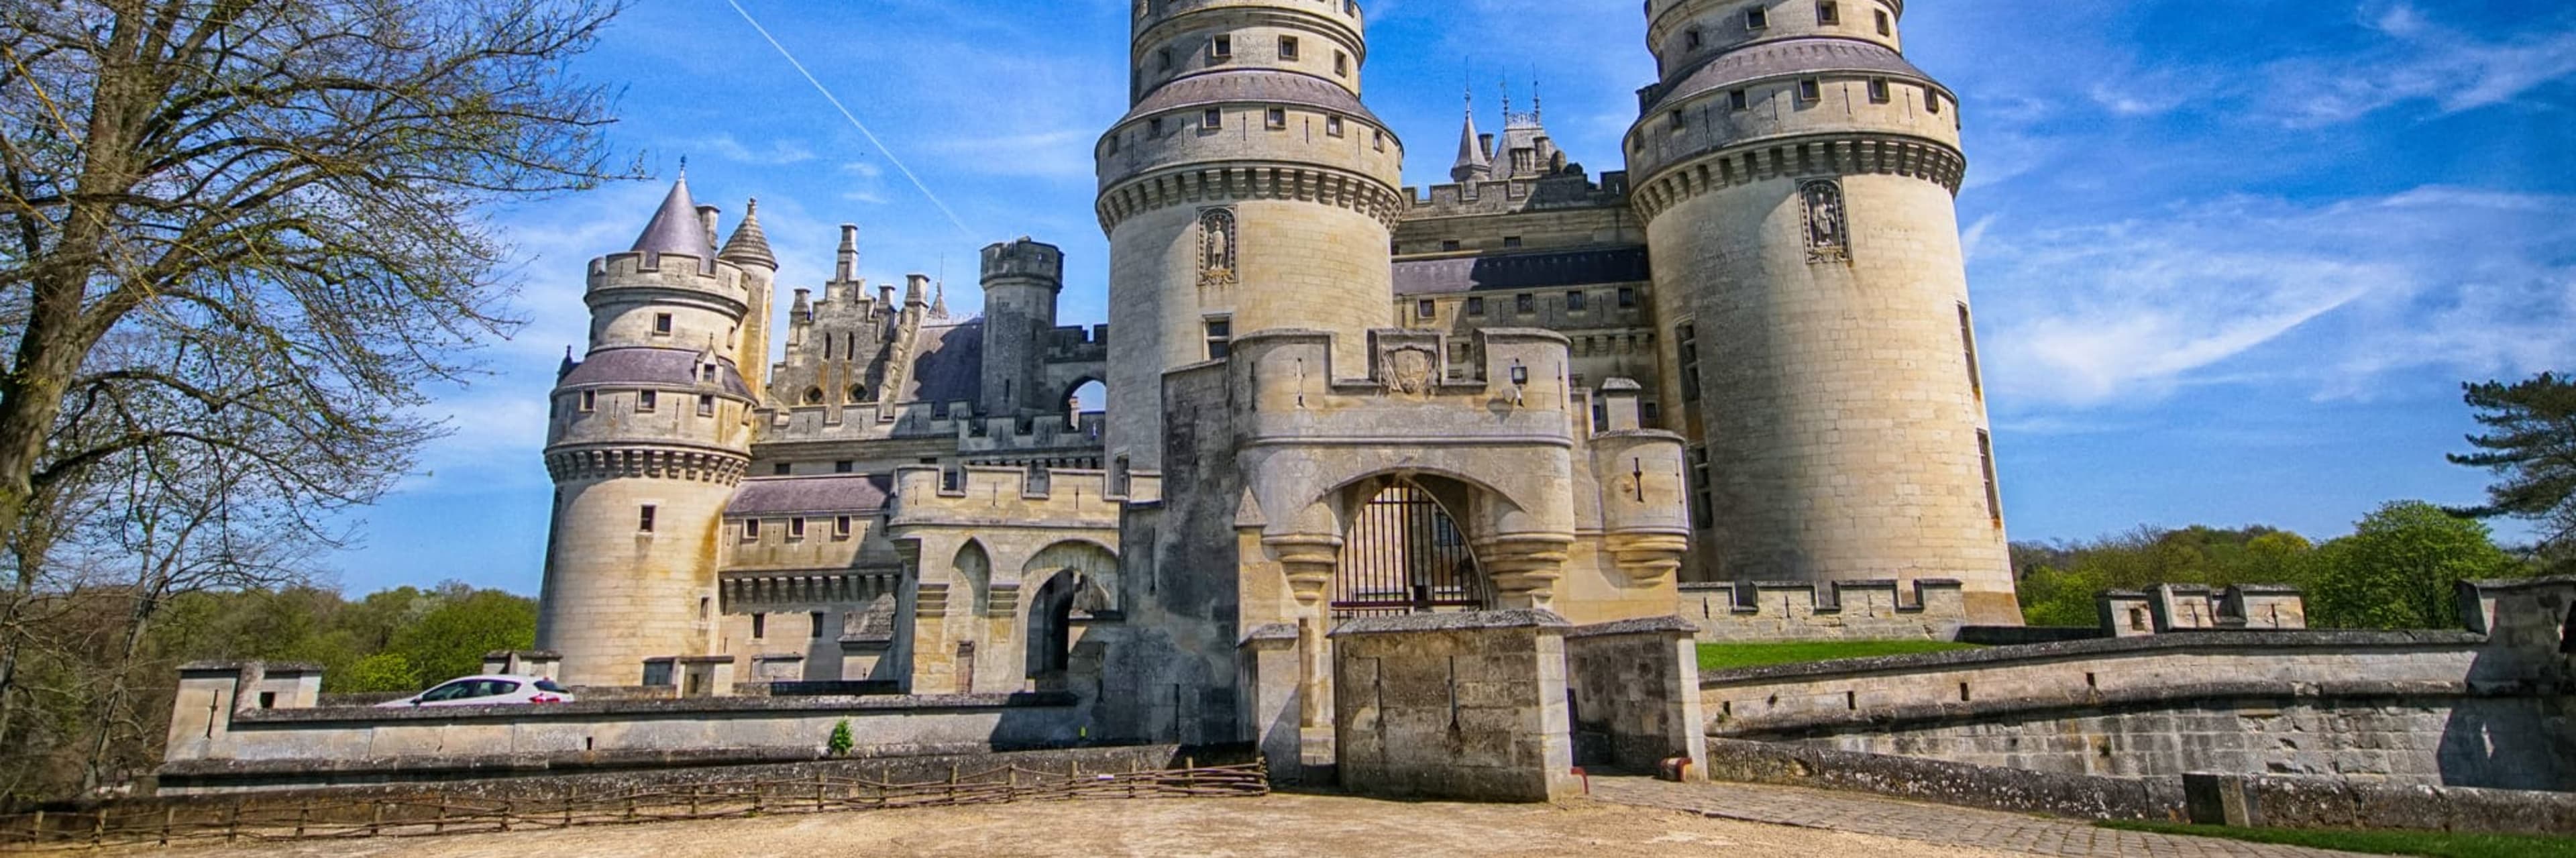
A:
<point x="1050" y="649"/>
<point x="1087" y="400"/>
<point x="1405" y="554"/>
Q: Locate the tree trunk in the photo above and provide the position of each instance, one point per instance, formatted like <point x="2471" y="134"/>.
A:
<point x="117" y="691"/>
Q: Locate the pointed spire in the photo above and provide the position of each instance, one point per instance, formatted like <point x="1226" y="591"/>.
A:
<point x="675" y="228"/>
<point x="939" y="300"/>
<point x="1472" y="164"/>
<point x="568" y="364"/>
<point x="749" y="245"/>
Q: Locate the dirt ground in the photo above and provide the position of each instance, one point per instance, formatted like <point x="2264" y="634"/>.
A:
<point x="1288" y="826"/>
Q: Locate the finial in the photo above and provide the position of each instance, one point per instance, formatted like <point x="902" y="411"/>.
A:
<point x="684" y="168"/>
<point x="751" y="207"/>
<point x="1537" y="107"/>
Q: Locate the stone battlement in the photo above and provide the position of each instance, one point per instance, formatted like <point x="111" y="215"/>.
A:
<point x="1025" y="258"/>
<point x="2168" y="608"/>
<point x="1841" y="610"/>
<point x="667" y="271"/>
<point x="1014" y="496"/>
<point x="1573" y="190"/>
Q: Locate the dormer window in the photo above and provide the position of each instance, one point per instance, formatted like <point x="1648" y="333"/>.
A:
<point x="707" y="372"/>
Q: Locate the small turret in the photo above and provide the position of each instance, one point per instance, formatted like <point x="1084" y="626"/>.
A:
<point x="675" y="229"/>
<point x="847" y="270"/>
<point x="1473" y="164"/>
<point x="749" y="244"/>
<point x="1021" y="280"/>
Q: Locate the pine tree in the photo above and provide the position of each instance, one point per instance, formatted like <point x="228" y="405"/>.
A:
<point x="2531" y="444"/>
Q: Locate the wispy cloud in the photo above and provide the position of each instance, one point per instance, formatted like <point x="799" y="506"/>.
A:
<point x="2417" y="60"/>
<point x="2336" y="295"/>
<point x="777" y="152"/>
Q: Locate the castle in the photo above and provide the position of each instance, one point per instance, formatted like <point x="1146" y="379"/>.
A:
<point x="1747" y="357"/>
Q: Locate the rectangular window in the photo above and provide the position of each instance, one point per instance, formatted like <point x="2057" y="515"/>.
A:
<point x="781" y="469"/>
<point x="1986" y="461"/>
<point x="1222" y="47"/>
<point x="1649" y="412"/>
<point x="759" y="626"/>
<point x="1525" y="303"/>
<point x="1381" y="141"/>
<point x="1213" y="119"/>
<point x="841" y="527"/>
<point x="1811" y="90"/>
<point x="589" y="400"/>
<point x="845" y="466"/>
<point x="1163" y="60"/>
<point x="1739" y="99"/>
<point x="1220" y="338"/>
<point x="1287" y="47"/>
<point x="1692" y="40"/>
<point x="1828" y="13"/>
<point x="1574" y="301"/>
<point x="1931" y="100"/>
<point x="1427" y="310"/>
<point x="1886" y="26"/>
<point x="706" y="405"/>
<point x="1475" y="306"/>
<point x="1678" y="121"/>
<point x="1449" y="245"/>
<point x="1757" y="18"/>
<point x="646" y="401"/>
<point x="1278" y="117"/>
<point x="1627" y="298"/>
<point x="1703" y="513"/>
<point x="1878" y="90"/>
<point x="795" y="529"/>
<point x="1341" y="63"/>
<point x="707" y="372"/>
<point x="751" y="530"/>
<point x="644" y="522"/>
<point x="1511" y="241"/>
<point x="661" y="324"/>
<point x="1688" y="337"/>
<point x="817" y="619"/>
<point x="1968" y="341"/>
<point x="1154" y="128"/>
<point x="1333" y="125"/>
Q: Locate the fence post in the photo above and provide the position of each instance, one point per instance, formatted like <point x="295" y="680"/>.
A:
<point x="567" y="807"/>
<point x="303" y="814"/>
<point x="439" y="824"/>
<point x="506" y="807"/>
<point x="820" y="781"/>
<point x="693" y="801"/>
<point x="99" y="830"/>
<point x="232" y="825"/>
<point x="376" y="821"/>
<point x="167" y="814"/>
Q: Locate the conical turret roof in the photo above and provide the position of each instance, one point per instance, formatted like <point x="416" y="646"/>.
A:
<point x="749" y="244"/>
<point x="675" y="229"/>
<point x="1471" y="152"/>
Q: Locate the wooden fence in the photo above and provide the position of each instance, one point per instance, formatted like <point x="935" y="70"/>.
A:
<point x="253" y="818"/>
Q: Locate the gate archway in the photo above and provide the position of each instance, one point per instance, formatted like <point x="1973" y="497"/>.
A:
<point x="1405" y="554"/>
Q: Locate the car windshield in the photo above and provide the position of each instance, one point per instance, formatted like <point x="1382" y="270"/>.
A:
<point x="549" y="685"/>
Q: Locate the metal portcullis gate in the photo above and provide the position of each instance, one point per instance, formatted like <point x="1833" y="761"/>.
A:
<point x="1406" y="555"/>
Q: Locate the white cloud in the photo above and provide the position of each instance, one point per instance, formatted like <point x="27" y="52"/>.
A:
<point x="1063" y="153"/>
<point x="776" y="152"/>
<point x="2419" y="60"/>
<point x="2330" y="299"/>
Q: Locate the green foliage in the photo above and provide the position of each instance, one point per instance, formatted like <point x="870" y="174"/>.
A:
<point x="450" y="640"/>
<point x="2531" y="444"/>
<point x="384" y="671"/>
<point x="2059" y="582"/>
<point x="2432" y="844"/>
<point x="841" y="740"/>
<point x="1731" y="656"/>
<point x="2400" y="569"/>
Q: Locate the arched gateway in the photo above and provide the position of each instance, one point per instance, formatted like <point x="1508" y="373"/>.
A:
<point x="1405" y="554"/>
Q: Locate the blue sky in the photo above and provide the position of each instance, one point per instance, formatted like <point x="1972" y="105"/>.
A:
<point x="2231" y="259"/>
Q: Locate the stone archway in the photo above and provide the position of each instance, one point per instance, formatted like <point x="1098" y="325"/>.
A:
<point x="1405" y="553"/>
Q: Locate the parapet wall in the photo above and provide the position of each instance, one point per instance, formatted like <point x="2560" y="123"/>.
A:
<point x="1842" y="610"/>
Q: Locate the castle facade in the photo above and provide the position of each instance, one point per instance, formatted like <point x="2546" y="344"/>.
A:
<point x="1747" y="357"/>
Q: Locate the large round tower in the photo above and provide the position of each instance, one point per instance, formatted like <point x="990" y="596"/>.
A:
<point x="650" y="434"/>
<point x="1797" y="178"/>
<point x="1247" y="189"/>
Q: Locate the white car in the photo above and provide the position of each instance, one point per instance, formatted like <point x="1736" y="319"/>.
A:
<point x="491" y="690"/>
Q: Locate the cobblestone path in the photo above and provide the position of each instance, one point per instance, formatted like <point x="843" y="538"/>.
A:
<point x="1928" y="823"/>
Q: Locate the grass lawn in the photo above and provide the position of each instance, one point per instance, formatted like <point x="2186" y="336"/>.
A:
<point x="2429" y="843"/>
<point x="1730" y="656"/>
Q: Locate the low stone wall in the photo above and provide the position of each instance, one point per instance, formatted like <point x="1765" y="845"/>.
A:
<point x="2260" y="801"/>
<point x="1963" y="784"/>
<point x="1843" y="610"/>
<point x="1636" y="693"/>
<point x="1454" y="706"/>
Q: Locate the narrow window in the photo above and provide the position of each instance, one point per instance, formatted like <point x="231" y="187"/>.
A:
<point x="646" y="401"/>
<point x="1692" y="40"/>
<point x="1688" y="336"/>
<point x="1511" y="241"/>
<point x="759" y="626"/>
<point x="1878" y="90"/>
<point x="644" y="522"/>
<point x="1703" y="513"/>
<point x="706" y="405"/>
<point x="1449" y="245"/>
<point x="795" y="529"/>
<point x="1627" y="298"/>
<point x="817" y="618"/>
<point x="1288" y="47"/>
<point x="1739" y="99"/>
<point x="1163" y="60"/>
<point x="661" y="324"/>
<point x="1381" y="141"/>
<point x="1154" y="128"/>
<point x="1220" y="338"/>
<point x="1475" y="306"/>
<point x="1574" y="301"/>
<point x="751" y="530"/>
<point x="845" y="466"/>
<point x="1811" y="90"/>
<point x="1678" y="122"/>
<point x="1427" y="310"/>
<point x="1968" y="341"/>
<point x="841" y="527"/>
<point x="1525" y="303"/>
<point x="1828" y="13"/>
<point x="1213" y="119"/>
<point x="1757" y="18"/>
<point x="1222" y="47"/>
<point x="1341" y="63"/>
<point x="707" y="372"/>
<point x="1278" y="117"/>
<point x="1986" y="462"/>
<point x="1931" y="100"/>
<point x="1649" y="411"/>
<point x="1333" y="125"/>
<point x="589" y="401"/>
<point x="1886" y="26"/>
<point x="781" y="469"/>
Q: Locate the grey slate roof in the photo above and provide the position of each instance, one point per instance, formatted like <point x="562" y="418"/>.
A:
<point x="1471" y="151"/>
<point x="1522" y="271"/>
<point x="948" y="365"/>
<point x="675" y="229"/>
<point x="838" y="493"/>
<point x="749" y="243"/>
<point x="1790" y="57"/>
<point x="1268" y="87"/>
<point x="658" y="367"/>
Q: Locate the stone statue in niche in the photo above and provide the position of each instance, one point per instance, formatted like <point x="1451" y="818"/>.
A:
<point x="1216" y="248"/>
<point x="1828" y="235"/>
<point x="1407" y="369"/>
